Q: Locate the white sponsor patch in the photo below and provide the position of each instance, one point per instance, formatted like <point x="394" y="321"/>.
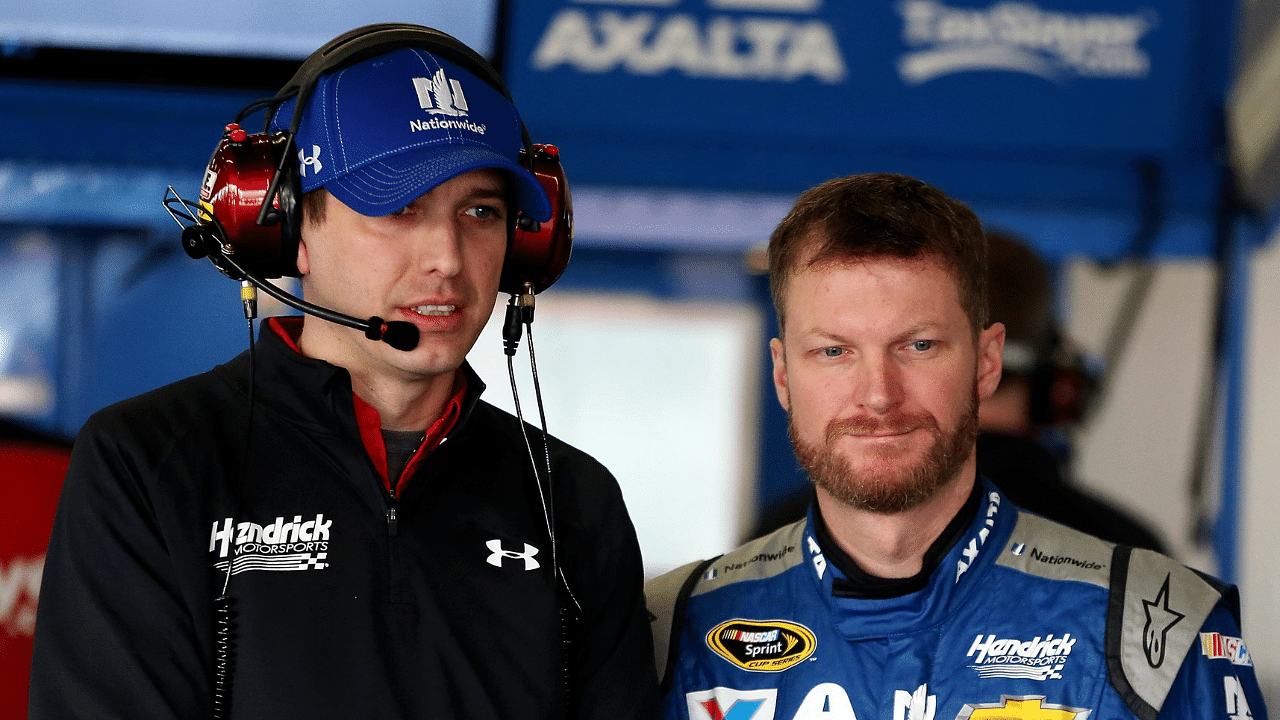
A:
<point x="1040" y="658"/>
<point x="279" y="546"/>
<point x="1022" y="37"/>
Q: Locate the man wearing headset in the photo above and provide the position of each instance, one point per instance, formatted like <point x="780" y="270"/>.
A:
<point x="377" y="537"/>
<point x="914" y="589"/>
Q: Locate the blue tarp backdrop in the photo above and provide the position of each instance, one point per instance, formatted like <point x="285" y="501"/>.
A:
<point x="1084" y="112"/>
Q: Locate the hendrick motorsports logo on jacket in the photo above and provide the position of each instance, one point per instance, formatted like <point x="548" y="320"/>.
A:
<point x="1035" y="659"/>
<point x="762" y="645"/>
<point x="278" y="546"/>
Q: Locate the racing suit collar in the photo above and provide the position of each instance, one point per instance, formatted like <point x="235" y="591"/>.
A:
<point x="962" y="569"/>
<point x="853" y="582"/>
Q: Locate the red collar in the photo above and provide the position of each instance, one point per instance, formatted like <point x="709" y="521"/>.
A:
<point x="370" y="423"/>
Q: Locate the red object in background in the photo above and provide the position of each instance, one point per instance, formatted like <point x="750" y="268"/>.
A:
<point x="32" y="468"/>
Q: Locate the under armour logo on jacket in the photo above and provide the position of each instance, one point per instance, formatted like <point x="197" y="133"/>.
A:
<point x="498" y="555"/>
<point x="313" y="161"/>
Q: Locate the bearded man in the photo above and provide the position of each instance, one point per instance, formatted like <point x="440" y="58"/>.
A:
<point x="914" y="590"/>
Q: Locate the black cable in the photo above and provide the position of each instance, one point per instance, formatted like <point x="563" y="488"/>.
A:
<point x="1202" y="522"/>
<point x="1151" y="220"/>
<point x="519" y="318"/>
<point x="224" y="605"/>
<point x="570" y="617"/>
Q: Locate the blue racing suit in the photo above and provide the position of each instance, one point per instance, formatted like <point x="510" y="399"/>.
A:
<point x="1019" y="618"/>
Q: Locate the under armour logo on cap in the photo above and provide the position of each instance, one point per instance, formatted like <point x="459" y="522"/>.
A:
<point x="498" y="555"/>
<point x="313" y="162"/>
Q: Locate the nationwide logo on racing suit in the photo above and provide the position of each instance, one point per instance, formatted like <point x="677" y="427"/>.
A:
<point x="1035" y="659"/>
<point x="278" y="546"/>
<point x="1026" y="707"/>
<point x="762" y="645"/>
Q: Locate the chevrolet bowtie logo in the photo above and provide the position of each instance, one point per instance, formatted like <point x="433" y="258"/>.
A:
<point x="1030" y="707"/>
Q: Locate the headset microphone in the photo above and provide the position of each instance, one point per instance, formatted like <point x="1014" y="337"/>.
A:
<point x="202" y="239"/>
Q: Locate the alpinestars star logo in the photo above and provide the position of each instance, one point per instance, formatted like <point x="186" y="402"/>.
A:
<point x="497" y="555"/>
<point x="1160" y="619"/>
<point x="278" y="546"/>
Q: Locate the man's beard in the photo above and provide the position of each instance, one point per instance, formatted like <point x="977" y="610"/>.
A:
<point x="883" y="489"/>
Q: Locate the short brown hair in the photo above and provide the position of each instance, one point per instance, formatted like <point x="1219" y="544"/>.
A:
<point x="312" y="206"/>
<point x="882" y="215"/>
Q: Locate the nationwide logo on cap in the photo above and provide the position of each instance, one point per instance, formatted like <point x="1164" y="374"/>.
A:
<point x="439" y="95"/>
<point x="762" y="645"/>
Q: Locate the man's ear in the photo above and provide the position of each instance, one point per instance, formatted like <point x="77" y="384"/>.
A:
<point x="304" y="261"/>
<point x="780" y="373"/>
<point x="990" y="359"/>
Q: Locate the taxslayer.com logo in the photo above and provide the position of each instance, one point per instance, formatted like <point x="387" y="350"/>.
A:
<point x="762" y="645"/>
<point x="1021" y="37"/>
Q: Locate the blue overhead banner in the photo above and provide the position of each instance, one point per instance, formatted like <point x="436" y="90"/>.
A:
<point x="1070" y="96"/>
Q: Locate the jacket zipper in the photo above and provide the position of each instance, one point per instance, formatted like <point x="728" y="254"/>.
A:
<point x="392" y="523"/>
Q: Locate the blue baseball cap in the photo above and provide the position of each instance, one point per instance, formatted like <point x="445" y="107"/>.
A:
<point x="382" y="132"/>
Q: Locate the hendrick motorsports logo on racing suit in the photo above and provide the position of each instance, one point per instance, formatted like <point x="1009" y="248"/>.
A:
<point x="762" y="645"/>
<point x="279" y="546"/>
<point x="1035" y="659"/>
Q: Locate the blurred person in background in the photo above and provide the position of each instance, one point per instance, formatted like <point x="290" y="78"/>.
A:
<point x="1044" y="392"/>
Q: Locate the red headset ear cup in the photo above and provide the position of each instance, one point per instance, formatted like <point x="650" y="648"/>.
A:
<point x="235" y="182"/>
<point x="540" y="252"/>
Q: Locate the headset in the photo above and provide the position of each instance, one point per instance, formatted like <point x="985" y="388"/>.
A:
<point x="249" y="219"/>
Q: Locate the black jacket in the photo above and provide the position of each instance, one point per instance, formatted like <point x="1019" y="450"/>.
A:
<point x="338" y="613"/>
